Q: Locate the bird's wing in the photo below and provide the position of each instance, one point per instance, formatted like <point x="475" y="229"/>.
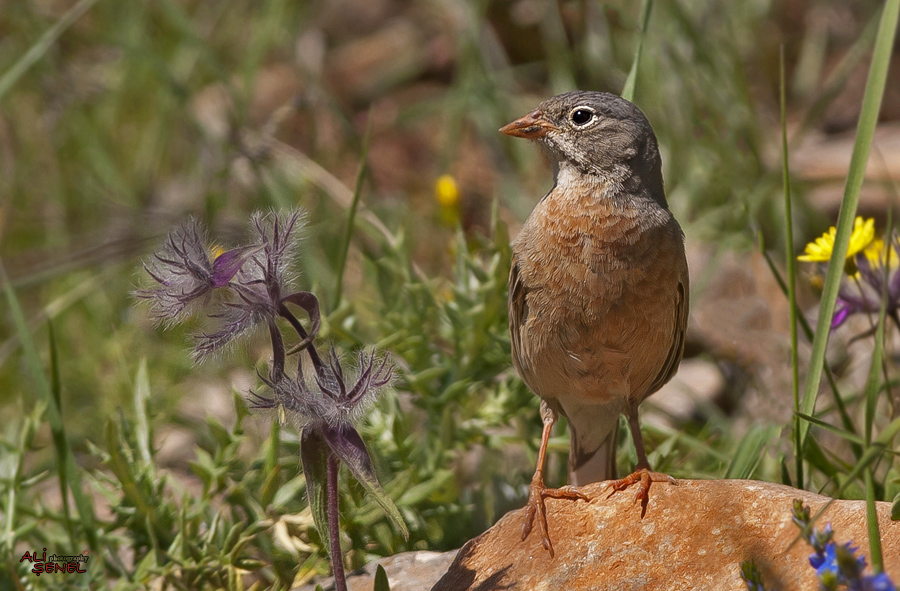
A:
<point x="518" y="313"/>
<point x="673" y="357"/>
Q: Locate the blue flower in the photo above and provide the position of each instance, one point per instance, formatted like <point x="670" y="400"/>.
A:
<point x="879" y="582"/>
<point x="837" y="565"/>
<point x="840" y="560"/>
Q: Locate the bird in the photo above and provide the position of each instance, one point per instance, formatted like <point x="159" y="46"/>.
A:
<point x="598" y="289"/>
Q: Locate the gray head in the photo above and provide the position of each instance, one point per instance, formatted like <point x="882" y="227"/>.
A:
<point x="597" y="133"/>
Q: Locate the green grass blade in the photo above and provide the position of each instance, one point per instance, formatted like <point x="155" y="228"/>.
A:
<point x="872" y="524"/>
<point x="351" y="216"/>
<point x="791" y="271"/>
<point x="69" y="474"/>
<point x="874" y="92"/>
<point x="884" y="438"/>
<point x="873" y="387"/>
<point x="59" y="437"/>
<point x="631" y="81"/>
<point x="749" y="451"/>
<point x="851" y="437"/>
<point x="9" y="79"/>
<point x="856" y="448"/>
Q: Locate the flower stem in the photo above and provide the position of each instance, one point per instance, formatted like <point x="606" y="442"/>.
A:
<point x="334" y="528"/>
<point x="277" y="349"/>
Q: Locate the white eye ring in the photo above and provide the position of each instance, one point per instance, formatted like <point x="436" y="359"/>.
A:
<point x="581" y="116"/>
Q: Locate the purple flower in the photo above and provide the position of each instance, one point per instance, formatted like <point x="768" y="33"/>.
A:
<point x="255" y="286"/>
<point x="227" y="264"/>
<point x="864" y="294"/>
<point x="183" y="271"/>
<point x="249" y="281"/>
<point x="326" y="406"/>
<point x="326" y="399"/>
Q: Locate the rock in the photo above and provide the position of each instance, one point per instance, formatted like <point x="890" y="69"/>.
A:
<point x="410" y="571"/>
<point x="694" y="536"/>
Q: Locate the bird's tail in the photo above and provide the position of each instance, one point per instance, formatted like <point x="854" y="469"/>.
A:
<point x="593" y="431"/>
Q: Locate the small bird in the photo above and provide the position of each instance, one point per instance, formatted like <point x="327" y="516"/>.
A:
<point x="598" y="288"/>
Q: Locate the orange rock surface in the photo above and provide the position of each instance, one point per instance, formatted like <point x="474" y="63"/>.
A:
<point x="695" y="536"/>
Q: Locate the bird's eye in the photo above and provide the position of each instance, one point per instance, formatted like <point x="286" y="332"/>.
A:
<point x="582" y="116"/>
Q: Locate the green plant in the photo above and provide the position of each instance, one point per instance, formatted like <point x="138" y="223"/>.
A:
<point x="255" y="279"/>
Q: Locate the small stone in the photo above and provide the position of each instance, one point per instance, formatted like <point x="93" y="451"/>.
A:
<point x="410" y="571"/>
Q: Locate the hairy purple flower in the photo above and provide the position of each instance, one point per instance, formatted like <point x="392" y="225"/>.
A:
<point x="265" y="278"/>
<point x="184" y="273"/>
<point x="257" y="284"/>
<point x="326" y="405"/>
<point x="255" y="289"/>
<point x="326" y="399"/>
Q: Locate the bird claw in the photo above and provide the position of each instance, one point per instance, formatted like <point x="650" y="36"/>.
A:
<point x="535" y="509"/>
<point x="644" y="478"/>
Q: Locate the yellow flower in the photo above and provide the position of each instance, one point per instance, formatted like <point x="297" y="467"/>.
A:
<point x="446" y="191"/>
<point x="447" y="194"/>
<point x="875" y="254"/>
<point x="820" y="250"/>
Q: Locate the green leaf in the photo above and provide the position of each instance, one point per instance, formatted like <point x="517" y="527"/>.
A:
<point x="123" y="469"/>
<point x="381" y="580"/>
<point x="895" y="509"/>
<point x="314" y="452"/>
<point x="418" y="493"/>
<point x="346" y="443"/>
<point x="141" y="396"/>
<point x="271" y="484"/>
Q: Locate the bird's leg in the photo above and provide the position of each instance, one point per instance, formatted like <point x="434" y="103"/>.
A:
<point x="539" y="492"/>
<point x="642" y="473"/>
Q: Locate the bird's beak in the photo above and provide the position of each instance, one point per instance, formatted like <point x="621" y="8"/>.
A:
<point x="532" y="126"/>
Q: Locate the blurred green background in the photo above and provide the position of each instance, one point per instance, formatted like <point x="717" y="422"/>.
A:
<point x="119" y="120"/>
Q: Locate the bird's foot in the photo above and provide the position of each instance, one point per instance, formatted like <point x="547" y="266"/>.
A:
<point x="535" y="508"/>
<point x="642" y="477"/>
